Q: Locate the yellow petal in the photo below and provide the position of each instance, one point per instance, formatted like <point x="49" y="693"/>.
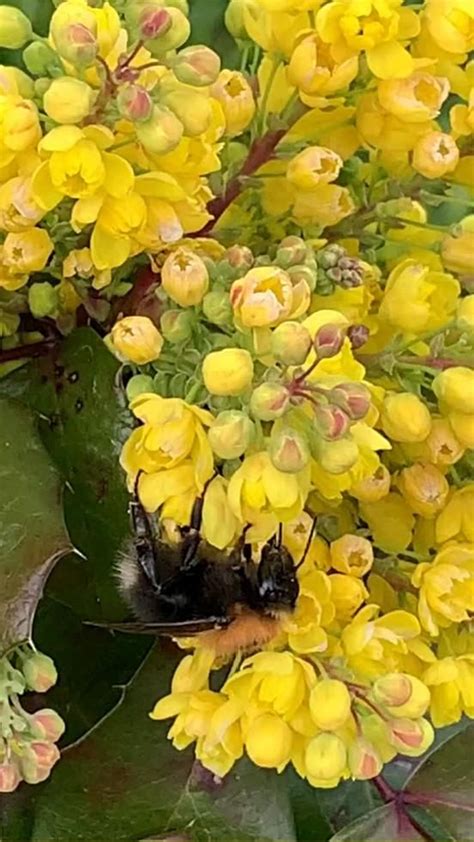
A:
<point x="43" y="189"/>
<point x="155" y="488"/>
<point x="109" y="251"/>
<point x="119" y="175"/>
<point x="86" y="211"/>
<point x="390" y="61"/>
<point x="60" y="139"/>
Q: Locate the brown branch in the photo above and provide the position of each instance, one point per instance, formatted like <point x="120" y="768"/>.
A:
<point x="145" y="284"/>
<point x="31" y="351"/>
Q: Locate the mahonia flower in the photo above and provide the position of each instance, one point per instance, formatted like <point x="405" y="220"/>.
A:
<point x="446" y="587"/>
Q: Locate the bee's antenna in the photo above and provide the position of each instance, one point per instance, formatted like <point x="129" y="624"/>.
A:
<point x="280" y="535"/>
<point x="308" y="543"/>
<point x="143" y="531"/>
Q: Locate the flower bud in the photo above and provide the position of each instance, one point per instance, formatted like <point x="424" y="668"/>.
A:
<point x="217" y="308"/>
<point x="268" y="741"/>
<point x="289" y="450"/>
<point x="15" y="28"/>
<point x="347" y="593"/>
<point x="364" y="761"/>
<point x="40" y="672"/>
<point x="138" y="385"/>
<point x="465" y="314"/>
<point x="228" y="372"/>
<point x="161" y="132"/>
<point x="372" y="488"/>
<point x="134" y="103"/>
<point x="330" y="422"/>
<point x="456" y="252"/>
<point x="167" y="36"/>
<point x="424" y="488"/>
<point x="230" y="434"/>
<point x="192" y="108"/>
<point x="77" y="44"/>
<point x="443" y="447"/>
<point x="47" y="725"/>
<point x="184" y="277"/>
<point x="239" y="257"/>
<point x="325" y="759"/>
<point x="313" y="166"/>
<point x="403" y="695"/>
<point x="411" y="736"/>
<point x="330" y="256"/>
<point x="197" y="66"/>
<point x="37" y="761"/>
<point x="9" y="777"/>
<point x="454" y="389"/>
<point x="329" y="340"/>
<point x="153" y="21"/>
<point x="292" y="250"/>
<point x="291" y="343"/>
<point x="135" y="339"/>
<point x="176" y="326"/>
<point x="330" y="704"/>
<point x="269" y="401"/>
<point x="337" y="457"/>
<point x="68" y="100"/>
<point x="234" y="17"/>
<point x="40" y="59"/>
<point x="463" y="427"/>
<point x="352" y="554"/>
<point x="358" y="336"/>
<point x="42" y="300"/>
<point x="353" y="398"/>
<point x="435" y="154"/>
<point x="234" y="94"/>
<point x="405" y="417"/>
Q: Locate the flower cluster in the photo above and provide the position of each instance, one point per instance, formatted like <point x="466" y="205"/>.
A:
<point x="27" y="740"/>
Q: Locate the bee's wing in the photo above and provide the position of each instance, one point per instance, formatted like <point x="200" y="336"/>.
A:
<point x="183" y="629"/>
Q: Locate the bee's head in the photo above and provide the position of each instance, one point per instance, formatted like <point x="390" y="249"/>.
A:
<point x="277" y="583"/>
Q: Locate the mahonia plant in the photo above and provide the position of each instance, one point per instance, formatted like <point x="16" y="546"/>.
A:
<point x="267" y="252"/>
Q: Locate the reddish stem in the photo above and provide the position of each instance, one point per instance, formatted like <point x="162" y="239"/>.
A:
<point x="144" y="285"/>
<point x="440" y="363"/>
<point x="420" y="798"/>
<point x="31" y="351"/>
<point x="132" y="55"/>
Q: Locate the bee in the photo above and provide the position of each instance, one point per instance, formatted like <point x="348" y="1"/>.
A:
<point x="192" y="588"/>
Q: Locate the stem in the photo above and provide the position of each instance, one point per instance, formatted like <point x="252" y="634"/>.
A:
<point x="414" y="798"/>
<point x="385" y="790"/>
<point x="267" y="92"/>
<point x="32" y="351"/>
<point x="408" y="361"/>
<point x="245" y="58"/>
<point x="132" y="55"/>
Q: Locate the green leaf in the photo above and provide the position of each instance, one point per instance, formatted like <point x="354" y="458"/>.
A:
<point x="207" y="27"/>
<point x="385" y="824"/>
<point x="33" y="535"/>
<point x="125" y="781"/>
<point x="347" y="802"/>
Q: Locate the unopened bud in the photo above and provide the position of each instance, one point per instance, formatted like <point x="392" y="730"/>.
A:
<point x="191" y="107"/>
<point x="40" y="59"/>
<point x="47" y="725"/>
<point x="217" y="308"/>
<point x="15" y="28"/>
<point x="68" y="101"/>
<point x="329" y="341"/>
<point x="153" y="22"/>
<point x="358" y="336"/>
<point x="330" y="704"/>
<point x="331" y="422"/>
<point x="184" y="277"/>
<point x="330" y="256"/>
<point x="239" y="257"/>
<point x="234" y="17"/>
<point x="414" y="705"/>
<point x="302" y="272"/>
<point x="289" y="450"/>
<point x="171" y="29"/>
<point x="411" y="736"/>
<point x="337" y="457"/>
<point x="9" y="777"/>
<point x="37" y="761"/>
<point x="353" y="398"/>
<point x="372" y="488"/>
<point x="40" y="672"/>
<point x="134" y="103"/>
<point x="291" y="343"/>
<point x="269" y="401"/>
<point x="161" y="132"/>
<point x="392" y="689"/>
<point x="42" y="300"/>
<point x="365" y="762"/>
<point x="291" y="251"/>
<point x="78" y="45"/>
<point x="198" y="66"/>
<point x="176" y="325"/>
<point x="230" y="434"/>
<point x="135" y="339"/>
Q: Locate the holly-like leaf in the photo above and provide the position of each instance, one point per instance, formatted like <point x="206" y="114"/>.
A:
<point x="33" y="535"/>
<point x="207" y="27"/>
<point x="385" y="824"/>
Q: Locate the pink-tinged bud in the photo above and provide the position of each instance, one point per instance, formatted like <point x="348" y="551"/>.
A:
<point x="40" y="672"/>
<point x="134" y="103"/>
<point x="239" y="257"/>
<point x="37" y="761"/>
<point x="392" y="689"/>
<point x="153" y="22"/>
<point x="410" y="736"/>
<point x="353" y="398"/>
<point x="289" y="450"/>
<point x="47" y="725"/>
<point x="9" y="777"/>
<point x="358" y="336"/>
<point x="329" y="341"/>
<point x="291" y="343"/>
<point x="365" y="762"/>
<point x="331" y="422"/>
<point x="198" y="66"/>
<point x="269" y="401"/>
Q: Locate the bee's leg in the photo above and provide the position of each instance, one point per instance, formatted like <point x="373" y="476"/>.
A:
<point x="311" y="535"/>
<point x="145" y="539"/>
<point x="192" y="535"/>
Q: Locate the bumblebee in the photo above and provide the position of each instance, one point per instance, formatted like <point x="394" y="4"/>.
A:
<point x="192" y="588"/>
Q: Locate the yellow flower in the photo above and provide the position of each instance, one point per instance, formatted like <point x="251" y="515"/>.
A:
<point x="19" y="126"/>
<point x="454" y="388"/>
<point x="347" y="594"/>
<point x="462" y="117"/>
<point x="235" y="96"/>
<point x="416" y="99"/>
<point x="465" y="314"/>
<point x="326" y="204"/>
<point x="456" y="520"/>
<point x="295" y="537"/>
<point x="275" y="33"/>
<point x="330" y="704"/>
<point x="135" y="339"/>
<point x="405" y="417"/>
<point x="463" y="427"/>
<point x="268" y="741"/>
<point x="373" y="645"/>
<point x="352" y="554"/>
<point x="442" y="446"/>
<point x="314" y="71"/>
<point x="27" y="251"/>
<point x="451" y="682"/>
<point x="372" y="488"/>
<point x="18" y="209"/>
<point x="350" y="26"/>
<point x="314" y="610"/>
<point x="257" y="488"/>
<point x="15" y="28"/>
<point x="325" y="760"/>
<point x="78" y="264"/>
<point x="184" y="277"/>
<point x="219" y="524"/>
<point x="424" y="488"/>
<point x="402" y="695"/>
<point x="273" y="682"/>
<point x="266" y="296"/>
<point x="68" y="100"/>
<point x="435" y="154"/>
<point x="450" y="24"/>
<point x="313" y="166"/>
<point x="457" y="251"/>
<point x="227" y="372"/>
<point x="446" y="587"/>
<point x="417" y="299"/>
<point x="391" y="522"/>
<point x="384" y="130"/>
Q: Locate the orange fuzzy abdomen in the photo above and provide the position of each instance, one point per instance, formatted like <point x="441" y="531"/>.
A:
<point x="248" y="631"/>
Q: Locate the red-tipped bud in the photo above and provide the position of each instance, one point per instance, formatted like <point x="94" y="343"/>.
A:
<point x="269" y="401"/>
<point x="289" y="450"/>
<point x="47" y="725"/>
<point x="358" y="336"/>
<point x="154" y="21"/>
<point x="404" y="695"/>
<point x="291" y="342"/>
<point x="364" y="761"/>
<point x="329" y="341"/>
<point x="134" y="103"/>
<point x="392" y="689"/>
<point x="239" y="257"/>
<point x="9" y="777"/>
<point x="37" y="761"/>
<point x="352" y="398"/>
<point x="198" y="66"/>
<point x="40" y="672"/>
<point x="331" y="422"/>
<point x="410" y="736"/>
<point x="77" y="44"/>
